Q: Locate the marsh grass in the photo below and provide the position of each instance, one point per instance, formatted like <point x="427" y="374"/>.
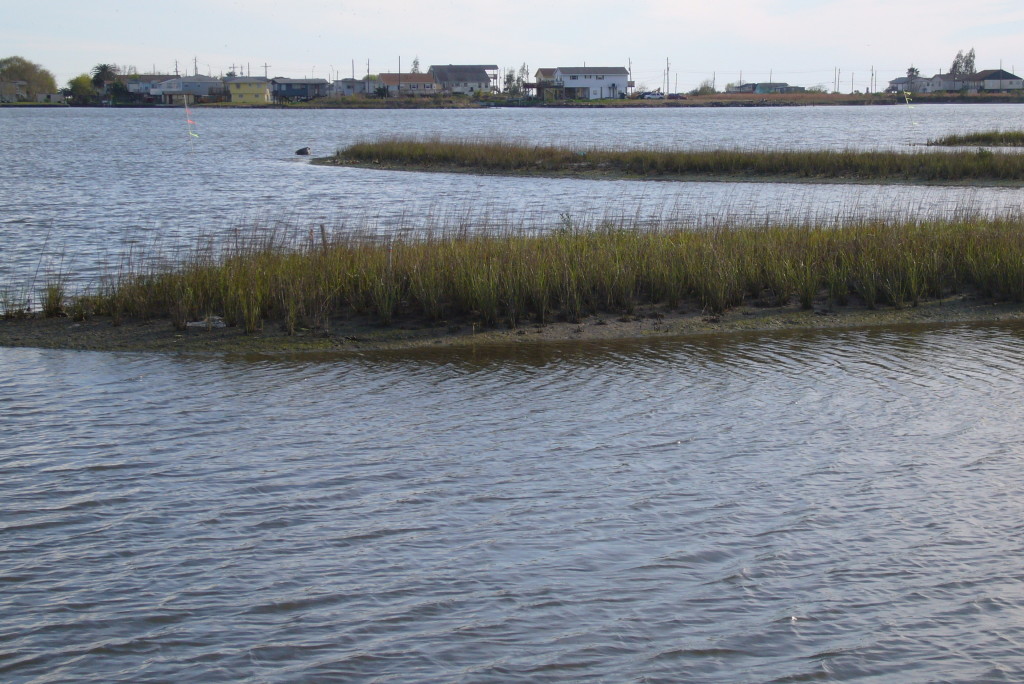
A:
<point x="53" y="297"/>
<point x="988" y="138"/>
<point x="836" y="165"/>
<point x="513" y="277"/>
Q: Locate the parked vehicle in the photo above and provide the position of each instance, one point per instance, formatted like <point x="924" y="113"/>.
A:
<point x="654" y="96"/>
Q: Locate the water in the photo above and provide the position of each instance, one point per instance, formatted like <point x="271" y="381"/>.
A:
<point x="84" y="186"/>
<point x="781" y="507"/>
<point x="827" y="506"/>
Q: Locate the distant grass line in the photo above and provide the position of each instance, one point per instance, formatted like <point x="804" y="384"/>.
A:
<point x="989" y="138"/>
<point x="832" y="165"/>
<point x="516" y="277"/>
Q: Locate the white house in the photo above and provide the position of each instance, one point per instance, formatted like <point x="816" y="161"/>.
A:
<point x="988" y="81"/>
<point x="188" y="88"/>
<point x="351" y="86"/>
<point x="593" y="83"/>
<point x="996" y="80"/>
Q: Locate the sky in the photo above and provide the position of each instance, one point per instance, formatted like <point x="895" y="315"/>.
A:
<point x="802" y="42"/>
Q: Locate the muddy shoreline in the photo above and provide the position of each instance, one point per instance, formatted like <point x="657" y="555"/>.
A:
<point x="158" y="335"/>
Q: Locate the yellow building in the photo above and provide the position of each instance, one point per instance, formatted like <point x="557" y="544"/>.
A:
<point x="252" y="90"/>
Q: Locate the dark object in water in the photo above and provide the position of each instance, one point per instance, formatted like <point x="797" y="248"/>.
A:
<point x="304" y="150"/>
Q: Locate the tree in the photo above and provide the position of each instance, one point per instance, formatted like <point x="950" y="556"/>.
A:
<point x="963" y="64"/>
<point x="523" y="77"/>
<point x="103" y="73"/>
<point x="415" y="69"/>
<point x="81" y="89"/>
<point x="969" y="62"/>
<point x="913" y="72"/>
<point x="37" y="79"/>
<point x="706" y="87"/>
<point x="511" y="87"/>
<point x="119" y="92"/>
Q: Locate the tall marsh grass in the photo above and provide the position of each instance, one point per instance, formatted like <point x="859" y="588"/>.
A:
<point x="848" y="165"/>
<point x="989" y="138"/>
<point x="514" y="277"/>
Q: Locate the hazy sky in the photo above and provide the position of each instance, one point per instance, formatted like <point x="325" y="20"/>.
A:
<point x="799" y="41"/>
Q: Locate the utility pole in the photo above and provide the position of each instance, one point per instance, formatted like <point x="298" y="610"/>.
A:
<point x="175" y="67"/>
<point x="195" y="66"/>
<point x="265" y="67"/>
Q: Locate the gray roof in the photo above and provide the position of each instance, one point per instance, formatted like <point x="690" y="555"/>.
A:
<point x="467" y="73"/>
<point x="247" y="79"/>
<point x="990" y="75"/>
<point x="594" y="71"/>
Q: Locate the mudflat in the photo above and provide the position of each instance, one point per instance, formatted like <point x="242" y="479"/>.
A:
<point x="158" y="335"/>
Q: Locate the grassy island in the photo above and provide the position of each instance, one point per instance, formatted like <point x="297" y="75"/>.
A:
<point x="986" y="138"/>
<point x="445" y="283"/>
<point x="466" y="156"/>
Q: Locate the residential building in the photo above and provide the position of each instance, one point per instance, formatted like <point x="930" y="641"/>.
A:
<point x="141" y="85"/>
<point x="592" y="83"/>
<point x="544" y="85"/>
<point x="763" y="88"/>
<point x="13" y="91"/>
<point x="248" y="89"/>
<point x="465" y="79"/>
<point x="297" y="89"/>
<point x="987" y="81"/>
<point x="351" y="86"/>
<point x="908" y="84"/>
<point x="186" y="89"/>
<point x="409" y="84"/>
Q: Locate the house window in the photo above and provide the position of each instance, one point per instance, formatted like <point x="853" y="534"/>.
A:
<point x="599" y="78"/>
<point x="574" y="78"/>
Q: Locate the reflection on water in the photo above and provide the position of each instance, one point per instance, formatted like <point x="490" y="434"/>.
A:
<point x="755" y="507"/>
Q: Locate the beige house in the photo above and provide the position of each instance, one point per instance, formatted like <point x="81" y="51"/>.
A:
<point x="409" y="84"/>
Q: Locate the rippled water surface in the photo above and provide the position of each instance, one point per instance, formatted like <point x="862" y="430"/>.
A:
<point x="753" y="508"/>
<point x="779" y="507"/>
<point x="83" y="186"/>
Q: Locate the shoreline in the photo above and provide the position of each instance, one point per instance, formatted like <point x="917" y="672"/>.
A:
<point x="356" y="335"/>
<point x="592" y="173"/>
<point x="726" y="100"/>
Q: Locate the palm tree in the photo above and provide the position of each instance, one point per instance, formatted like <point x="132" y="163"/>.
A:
<point x="103" y="73"/>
